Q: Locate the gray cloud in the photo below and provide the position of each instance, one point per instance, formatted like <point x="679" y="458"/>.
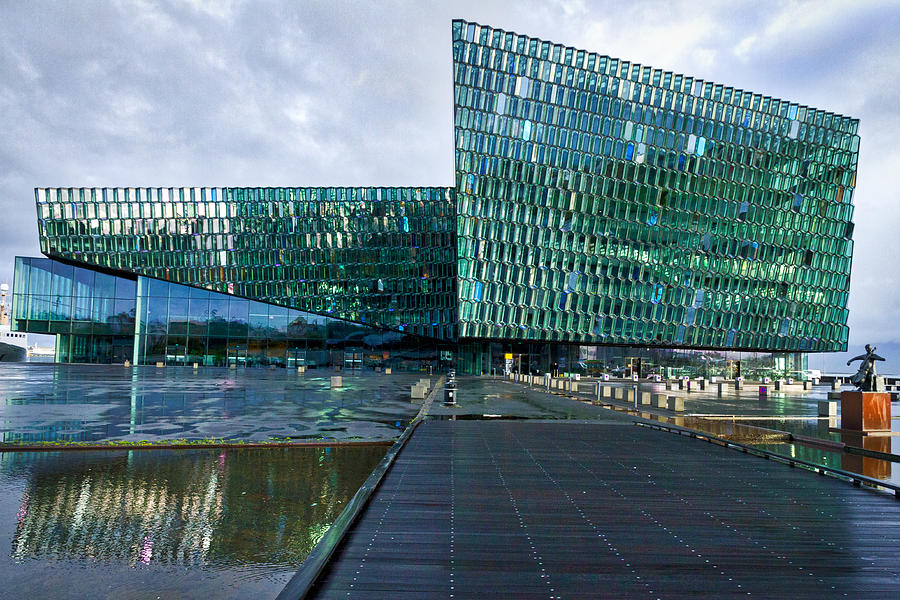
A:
<point x="341" y="93"/>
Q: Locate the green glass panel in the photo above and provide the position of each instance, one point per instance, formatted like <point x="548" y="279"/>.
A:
<point x="698" y="192"/>
<point x="385" y="257"/>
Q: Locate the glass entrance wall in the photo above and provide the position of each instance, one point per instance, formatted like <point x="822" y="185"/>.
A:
<point x="182" y="325"/>
<point x="100" y="318"/>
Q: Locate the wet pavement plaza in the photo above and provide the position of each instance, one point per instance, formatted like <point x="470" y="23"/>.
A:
<point x="553" y="509"/>
<point x="530" y="506"/>
<point x="47" y="402"/>
<point x="205" y="523"/>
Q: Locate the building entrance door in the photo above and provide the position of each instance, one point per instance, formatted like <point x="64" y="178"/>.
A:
<point x="353" y="360"/>
<point x="633" y="366"/>
<point x="237" y="355"/>
<point x="296" y="357"/>
<point x="176" y="354"/>
<point x="122" y="349"/>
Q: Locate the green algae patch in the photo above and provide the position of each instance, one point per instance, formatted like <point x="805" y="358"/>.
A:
<point x="180" y="444"/>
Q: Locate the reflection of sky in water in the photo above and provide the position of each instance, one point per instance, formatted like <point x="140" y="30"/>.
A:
<point x="87" y="403"/>
<point x="781" y="411"/>
<point x="197" y="523"/>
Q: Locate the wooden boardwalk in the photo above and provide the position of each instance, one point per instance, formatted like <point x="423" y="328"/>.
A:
<point x="517" y="509"/>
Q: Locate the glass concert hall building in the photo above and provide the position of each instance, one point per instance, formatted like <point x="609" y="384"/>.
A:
<point x="606" y="215"/>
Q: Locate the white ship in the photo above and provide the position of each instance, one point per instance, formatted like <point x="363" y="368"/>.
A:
<point x="13" y="345"/>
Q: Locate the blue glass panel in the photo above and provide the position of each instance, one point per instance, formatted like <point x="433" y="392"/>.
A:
<point x="84" y="282"/>
<point x="179" y="291"/>
<point x="104" y="285"/>
<point x="259" y="319"/>
<point x="40" y="308"/>
<point x="62" y="279"/>
<point x="157" y="314"/>
<point x="238" y="318"/>
<point x="159" y="289"/>
<point x="198" y="309"/>
<point x="81" y="308"/>
<point x="278" y="321"/>
<point x="61" y="307"/>
<point x="125" y="288"/>
<point x="218" y="306"/>
<point x="178" y="308"/>
<point x="199" y="293"/>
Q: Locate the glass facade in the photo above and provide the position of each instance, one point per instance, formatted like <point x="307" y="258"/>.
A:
<point x="602" y="201"/>
<point x="92" y="313"/>
<point x="381" y="256"/>
<point x="624" y="361"/>
<point x="103" y="318"/>
<point x="597" y="203"/>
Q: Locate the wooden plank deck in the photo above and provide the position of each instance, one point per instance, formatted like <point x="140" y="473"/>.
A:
<point x="517" y="509"/>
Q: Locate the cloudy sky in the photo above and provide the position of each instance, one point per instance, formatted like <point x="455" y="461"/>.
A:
<point x="207" y="93"/>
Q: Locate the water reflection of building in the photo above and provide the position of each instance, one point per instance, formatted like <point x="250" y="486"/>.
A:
<point x="189" y="508"/>
<point x="84" y="404"/>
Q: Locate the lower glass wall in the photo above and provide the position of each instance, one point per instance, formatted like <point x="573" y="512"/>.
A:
<point x="622" y="361"/>
<point x="100" y="318"/>
<point x="73" y="348"/>
<point x="183" y="325"/>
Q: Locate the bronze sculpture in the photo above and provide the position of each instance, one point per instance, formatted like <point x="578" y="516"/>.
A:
<point x="864" y="379"/>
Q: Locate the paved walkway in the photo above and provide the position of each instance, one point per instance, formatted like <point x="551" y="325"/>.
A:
<point x="517" y="509"/>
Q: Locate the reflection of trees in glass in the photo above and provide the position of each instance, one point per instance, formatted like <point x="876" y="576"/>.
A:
<point x="122" y="322"/>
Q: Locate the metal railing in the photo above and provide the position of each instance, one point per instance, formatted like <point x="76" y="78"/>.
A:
<point x="857" y="479"/>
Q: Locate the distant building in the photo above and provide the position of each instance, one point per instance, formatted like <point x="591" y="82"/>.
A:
<point x="606" y="216"/>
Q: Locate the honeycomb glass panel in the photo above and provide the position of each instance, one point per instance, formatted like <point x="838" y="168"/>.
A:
<point x="384" y="257"/>
<point x="693" y="196"/>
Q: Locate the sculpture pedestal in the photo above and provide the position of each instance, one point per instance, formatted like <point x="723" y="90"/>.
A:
<point x="866" y="411"/>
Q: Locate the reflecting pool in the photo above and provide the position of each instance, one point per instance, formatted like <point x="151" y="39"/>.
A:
<point x="169" y="524"/>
